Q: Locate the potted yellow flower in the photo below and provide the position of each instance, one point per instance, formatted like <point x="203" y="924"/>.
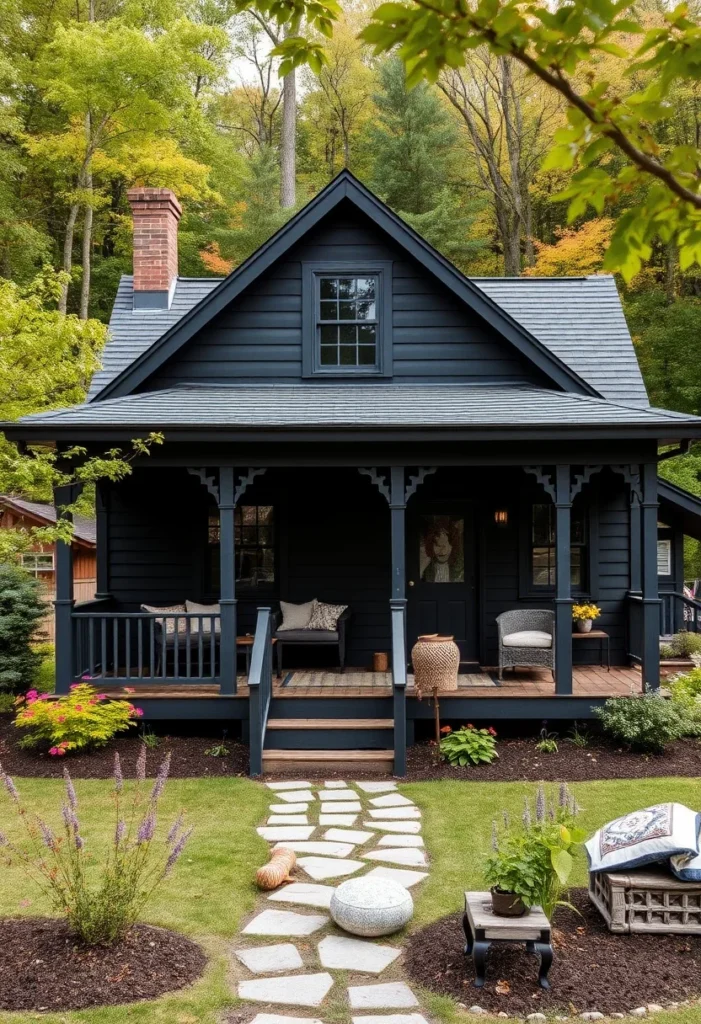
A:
<point x="584" y="615"/>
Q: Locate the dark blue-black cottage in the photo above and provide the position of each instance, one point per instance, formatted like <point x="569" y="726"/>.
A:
<point x="350" y="422"/>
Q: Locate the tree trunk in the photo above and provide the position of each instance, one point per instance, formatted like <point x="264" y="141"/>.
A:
<point x="670" y="268"/>
<point x="68" y="254"/>
<point x="87" y="246"/>
<point x="288" y="141"/>
<point x="512" y="248"/>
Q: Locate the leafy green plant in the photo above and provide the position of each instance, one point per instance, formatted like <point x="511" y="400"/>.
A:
<point x="82" y="719"/>
<point x="646" y="722"/>
<point x="7" y="703"/>
<point x="149" y="738"/>
<point x="578" y="737"/>
<point x="547" y="744"/>
<point x="534" y="859"/>
<point x="22" y="608"/>
<point x="685" y="644"/>
<point x="218" y="750"/>
<point x="666" y="652"/>
<point x="468" y="746"/>
<point x="685" y="692"/>
<point x="45" y="677"/>
<point x="100" y="907"/>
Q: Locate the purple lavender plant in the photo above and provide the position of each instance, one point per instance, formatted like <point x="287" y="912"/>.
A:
<point x="9" y="785"/>
<point x="120" y="831"/>
<point x="526" y="813"/>
<point x="176" y="851"/>
<point x="147" y="827"/>
<point x="161" y="778"/>
<point x="175" y="828"/>
<point x="495" y="837"/>
<point x="540" y="805"/>
<point x="118" y="777"/>
<point x="141" y="764"/>
<point x="70" y="790"/>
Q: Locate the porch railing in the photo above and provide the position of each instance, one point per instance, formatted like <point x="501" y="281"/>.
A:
<point x="679" y="612"/>
<point x="260" y="686"/>
<point x="145" y="647"/>
<point x="399" y="688"/>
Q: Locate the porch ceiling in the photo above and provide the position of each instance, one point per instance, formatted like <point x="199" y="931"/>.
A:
<point x="361" y="406"/>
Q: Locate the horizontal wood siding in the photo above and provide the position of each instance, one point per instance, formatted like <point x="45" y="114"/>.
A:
<point x="259" y="338"/>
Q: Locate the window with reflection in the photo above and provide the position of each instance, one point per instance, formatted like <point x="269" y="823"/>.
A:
<point x="347" y="321"/>
<point x="254" y="547"/>
<point x="543" y="551"/>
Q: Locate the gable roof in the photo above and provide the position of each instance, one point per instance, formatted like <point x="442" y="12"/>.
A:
<point x="84" y="529"/>
<point x="343" y="187"/>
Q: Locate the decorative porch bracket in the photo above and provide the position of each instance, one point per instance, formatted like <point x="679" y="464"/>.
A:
<point x="576" y="482"/>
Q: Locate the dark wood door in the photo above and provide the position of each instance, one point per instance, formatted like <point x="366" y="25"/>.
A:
<point x="441" y="574"/>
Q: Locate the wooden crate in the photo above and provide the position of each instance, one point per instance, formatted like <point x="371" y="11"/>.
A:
<point x="647" y="900"/>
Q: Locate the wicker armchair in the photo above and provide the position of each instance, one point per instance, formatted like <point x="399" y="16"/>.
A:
<point x="527" y="638"/>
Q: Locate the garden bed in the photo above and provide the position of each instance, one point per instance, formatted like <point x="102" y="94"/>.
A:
<point x="43" y="968"/>
<point x="592" y="970"/>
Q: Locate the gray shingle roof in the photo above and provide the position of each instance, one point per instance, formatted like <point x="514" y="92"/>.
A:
<point x="84" y="529"/>
<point x="579" y="319"/>
<point x="363" y="405"/>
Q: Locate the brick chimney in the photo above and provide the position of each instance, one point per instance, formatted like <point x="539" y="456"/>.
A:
<point x="156" y="212"/>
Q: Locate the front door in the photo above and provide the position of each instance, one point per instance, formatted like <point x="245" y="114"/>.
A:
<point x="441" y="575"/>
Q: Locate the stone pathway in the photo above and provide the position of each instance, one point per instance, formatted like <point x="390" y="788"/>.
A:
<point x="338" y="830"/>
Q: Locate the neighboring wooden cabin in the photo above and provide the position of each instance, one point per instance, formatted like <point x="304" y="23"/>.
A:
<point x="348" y="418"/>
<point x="40" y="560"/>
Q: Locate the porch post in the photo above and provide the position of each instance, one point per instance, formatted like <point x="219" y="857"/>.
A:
<point x="227" y="571"/>
<point x="651" y="601"/>
<point x="63" y="603"/>
<point x="563" y="584"/>
<point x="102" y="555"/>
<point x="397" y="505"/>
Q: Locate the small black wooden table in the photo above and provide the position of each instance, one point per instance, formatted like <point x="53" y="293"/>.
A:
<point x="604" y="644"/>
<point x="482" y="927"/>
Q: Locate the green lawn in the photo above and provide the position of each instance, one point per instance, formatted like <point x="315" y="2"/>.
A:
<point x="211" y="888"/>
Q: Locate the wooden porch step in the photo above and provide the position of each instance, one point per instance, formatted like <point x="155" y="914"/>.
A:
<point x="334" y="760"/>
<point x="331" y="723"/>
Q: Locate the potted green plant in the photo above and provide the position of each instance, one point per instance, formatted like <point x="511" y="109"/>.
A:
<point x="532" y="861"/>
<point x="584" y="615"/>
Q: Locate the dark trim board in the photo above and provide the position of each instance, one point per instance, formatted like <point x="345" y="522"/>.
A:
<point x="506" y="708"/>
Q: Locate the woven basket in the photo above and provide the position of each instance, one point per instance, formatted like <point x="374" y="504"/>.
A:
<point x="436" y="660"/>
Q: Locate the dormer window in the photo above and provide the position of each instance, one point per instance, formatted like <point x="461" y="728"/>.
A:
<point x="347" y="316"/>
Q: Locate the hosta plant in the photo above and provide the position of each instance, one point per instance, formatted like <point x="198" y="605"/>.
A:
<point x="101" y="895"/>
<point x="533" y="858"/>
<point x="469" y="746"/>
<point x="82" y="719"/>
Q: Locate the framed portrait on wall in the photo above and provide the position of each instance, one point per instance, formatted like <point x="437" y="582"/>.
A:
<point x="442" y="549"/>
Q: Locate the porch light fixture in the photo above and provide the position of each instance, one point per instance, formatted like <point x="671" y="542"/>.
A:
<point x="501" y="517"/>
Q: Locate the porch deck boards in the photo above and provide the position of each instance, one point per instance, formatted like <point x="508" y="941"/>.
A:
<point x="588" y="681"/>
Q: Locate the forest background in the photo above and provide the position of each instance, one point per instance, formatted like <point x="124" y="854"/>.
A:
<point x="99" y="95"/>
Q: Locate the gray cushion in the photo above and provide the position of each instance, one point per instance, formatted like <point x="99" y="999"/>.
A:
<point x="531" y="638"/>
<point x="308" y="636"/>
<point x="296" y="616"/>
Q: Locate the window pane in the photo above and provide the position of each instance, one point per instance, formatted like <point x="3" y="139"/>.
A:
<point x="541" y="525"/>
<point x="366" y="355"/>
<point x="328" y="335"/>
<point x="543" y="567"/>
<point x="265" y="514"/>
<point x="367" y="335"/>
<point x="346" y="287"/>
<point x="346" y="333"/>
<point x="577" y="527"/>
<point x="328" y="288"/>
<point x="664" y="558"/>
<point x="328" y="311"/>
<point x="348" y="355"/>
<point x="329" y="355"/>
<point x="346" y="311"/>
<point x="366" y="310"/>
<point x="365" y="287"/>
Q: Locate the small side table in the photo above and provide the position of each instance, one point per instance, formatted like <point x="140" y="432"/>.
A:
<point x="604" y="644"/>
<point x="482" y="927"/>
<point x="245" y="644"/>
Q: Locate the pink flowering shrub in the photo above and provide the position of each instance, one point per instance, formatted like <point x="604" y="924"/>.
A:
<point x="82" y="719"/>
<point x="102" y="904"/>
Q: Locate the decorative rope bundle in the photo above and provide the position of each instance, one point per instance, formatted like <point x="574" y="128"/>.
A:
<point x="272" y="875"/>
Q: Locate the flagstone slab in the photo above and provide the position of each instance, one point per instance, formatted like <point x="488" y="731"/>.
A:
<point x="289" y="808"/>
<point x="283" y="956"/>
<point x="400" y="840"/>
<point x="337" y="819"/>
<point x="337" y="794"/>
<point x="297" y="796"/>
<point x="294" y="990"/>
<point x="285" y="922"/>
<point x="278" y="1018"/>
<point x="389" y="1018"/>
<point x="388" y="995"/>
<point x="404" y="877"/>
<point x="287" y="819"/>
<point x="410" y="857"/>
<point x="375" y="787"/>
<point x="346" y="835"/>
<point x="336" y="784"/>
<point x="305" y="893"/>
<point x="391" y="813"/>
<point x="340" y="953"/>
<point x="288" y="785"/>
<point x="407" y="827"/>
<point x="279" y="833"/>
<point x="341" y="807"/>
<point x="323" y="849"/>
<point x="320" y="868"/>
<point x="391" y="800"/>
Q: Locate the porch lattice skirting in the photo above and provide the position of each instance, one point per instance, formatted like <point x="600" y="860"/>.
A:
<point x="291" y="954"/>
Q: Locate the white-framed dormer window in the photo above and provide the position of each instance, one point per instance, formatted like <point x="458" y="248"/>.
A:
<point x="37" y="562"/>
<point x="664" y="557"/>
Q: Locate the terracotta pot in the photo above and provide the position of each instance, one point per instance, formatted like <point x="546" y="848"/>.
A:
<point x="583" y="625"/>
<point x="507" y="904"/>
<point x="380" y="662"/>
<point x="435" y="660"/>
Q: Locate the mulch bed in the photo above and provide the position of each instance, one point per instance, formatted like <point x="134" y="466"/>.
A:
<point x="43" y="968"/>
<point x="592" y="970"/>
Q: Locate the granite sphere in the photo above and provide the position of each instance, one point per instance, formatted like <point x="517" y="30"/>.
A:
<point x="371" y="906"/>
